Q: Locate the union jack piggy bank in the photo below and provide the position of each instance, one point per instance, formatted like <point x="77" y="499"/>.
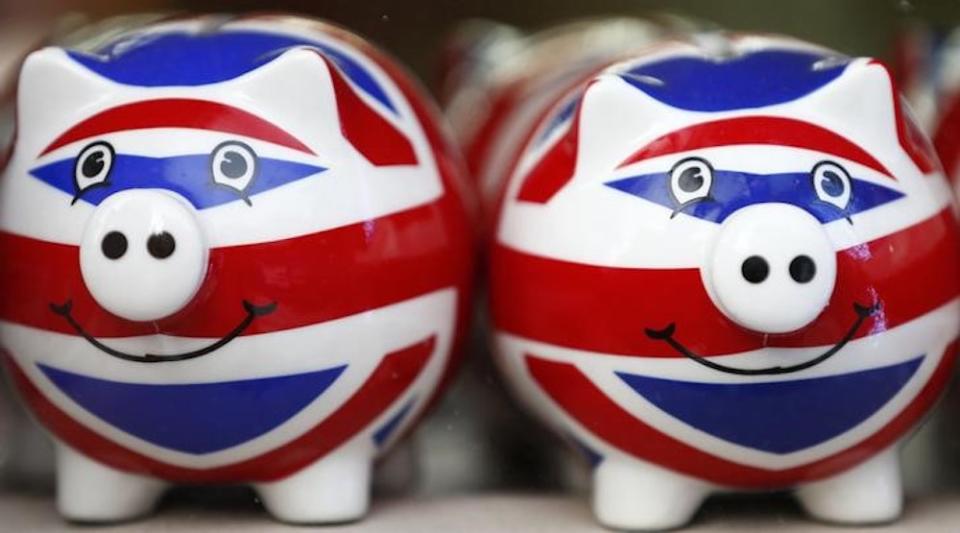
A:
<point x="730" y="263"/>
<point x="235" y="250"/>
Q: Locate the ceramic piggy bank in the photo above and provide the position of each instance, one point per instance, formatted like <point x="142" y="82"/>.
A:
<point x="729" y="264"/>
<point x="235" y="250"/>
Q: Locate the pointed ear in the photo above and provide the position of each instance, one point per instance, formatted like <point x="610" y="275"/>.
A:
<point x="295" y="90"/>
<point x="53" y="88"/>
<point x="865" y="104"/>
<point x="610" y="115"/>
<point x="616" y="115"/>
<point x="318" y="103"/>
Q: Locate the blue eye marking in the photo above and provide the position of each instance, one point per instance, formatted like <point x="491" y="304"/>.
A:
<point x="188" y="175"/>
<point x="733" y="190"/>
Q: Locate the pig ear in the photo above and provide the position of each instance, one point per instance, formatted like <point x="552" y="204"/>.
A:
<point x="609" y="117"/>
<point x="616" y="115"/>
<point x="864" y="103"/>
<point x="53" y="89"/>
<point x="316" y="101"/>
<point x="862" y="97"/>
<point x="294" y="89"/>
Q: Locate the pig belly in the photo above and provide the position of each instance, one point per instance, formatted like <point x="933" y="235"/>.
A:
<point x="260" y="397"/>
<point x="750" y="432"/>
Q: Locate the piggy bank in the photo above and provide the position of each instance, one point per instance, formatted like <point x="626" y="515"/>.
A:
<point x="235" y="250"/>
<point x="729" y="263"/>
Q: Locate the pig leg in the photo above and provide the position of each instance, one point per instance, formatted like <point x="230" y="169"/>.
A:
<point x="335" y="489"/>
<point x="88" y="491"/>
<point x="633" y="495"/>
<point x="868" y="493"/>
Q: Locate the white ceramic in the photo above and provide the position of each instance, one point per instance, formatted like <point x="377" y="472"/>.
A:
<point x="235" y="250"/>
<point x="729" y="263"/>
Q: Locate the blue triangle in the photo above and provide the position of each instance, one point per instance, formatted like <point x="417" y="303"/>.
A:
<point x="381" y="435"/>
<point x="196" y="418"/>
<point x="779" y="417"/>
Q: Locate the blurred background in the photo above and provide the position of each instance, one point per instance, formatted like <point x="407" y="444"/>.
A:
<point x="478" y="439"/>
<point x="413" y="30"/>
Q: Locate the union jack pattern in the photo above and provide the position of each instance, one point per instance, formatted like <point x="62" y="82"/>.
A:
<point x="606" y="324"/>
<point x="337" y="276"/>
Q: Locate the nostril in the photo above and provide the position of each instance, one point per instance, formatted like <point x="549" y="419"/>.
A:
<point x="802" y="269"/>
<point x="755" y="269"/>
<point x="161" y="245"/>
<point x="114" y="245"/>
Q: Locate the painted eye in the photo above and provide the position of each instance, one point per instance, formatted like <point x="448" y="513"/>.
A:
<point x="691" y="180"/>
<point x="234" y="165"/>
<point x="93" y="166"/>
<point x="832" y="184"/>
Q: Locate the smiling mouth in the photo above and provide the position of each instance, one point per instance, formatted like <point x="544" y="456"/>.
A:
<point x="253" y="311"/>
<point x="666" y="335"/>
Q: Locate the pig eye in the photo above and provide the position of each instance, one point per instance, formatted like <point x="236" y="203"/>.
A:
<point x="233" y="165"/>
<point x="691" y="180"/>
<point x="832" y="184"/>
<point x="93" y="166"/>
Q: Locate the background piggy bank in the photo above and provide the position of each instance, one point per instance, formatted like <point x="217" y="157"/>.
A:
<point x="730" y="263"/>
<point x="235" y="250"/>
<point x="928" y="65"/>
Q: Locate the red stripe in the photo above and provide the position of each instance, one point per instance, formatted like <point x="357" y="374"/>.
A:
<point x="370" y="133"/>
<point x="388" y="381"/>
<point x="459" y="201"/>
<point x="592" y="409"/>
<point x="555" y="169"/>
<point x="606" y="309"/>
<point x="313" y="278"/>
<point x="756" y="130"/>
<point x="178" y="113"/>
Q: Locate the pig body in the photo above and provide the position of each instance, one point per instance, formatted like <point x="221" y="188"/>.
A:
<point x="236" y="250"/>
<point x="730" y="263"/>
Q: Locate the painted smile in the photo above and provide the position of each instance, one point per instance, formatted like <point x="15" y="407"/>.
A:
<point x="253" y="311"/>
<point x="667" y="335"/>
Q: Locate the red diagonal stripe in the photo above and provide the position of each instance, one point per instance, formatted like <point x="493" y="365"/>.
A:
<point x="555" y="169"/>
<point x="756" y="130"/>
<point x="570" y="389"/>
<point x="177" y="113"/>
<point x="313" y="278"/>
<point x="606" y="309"/>
<point x="388" y="381"/>
<point x="369" y="132"/>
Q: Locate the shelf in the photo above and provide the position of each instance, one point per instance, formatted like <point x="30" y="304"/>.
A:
<point x="236" y="511"/>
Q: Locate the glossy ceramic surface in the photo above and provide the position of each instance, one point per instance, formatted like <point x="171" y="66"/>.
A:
<point x="728" y="263"/>
<point x="236" y="250"/>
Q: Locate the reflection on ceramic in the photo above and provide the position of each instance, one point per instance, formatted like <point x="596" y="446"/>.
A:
<point x="235" y="251"/>
<point x="730" y="263"/>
